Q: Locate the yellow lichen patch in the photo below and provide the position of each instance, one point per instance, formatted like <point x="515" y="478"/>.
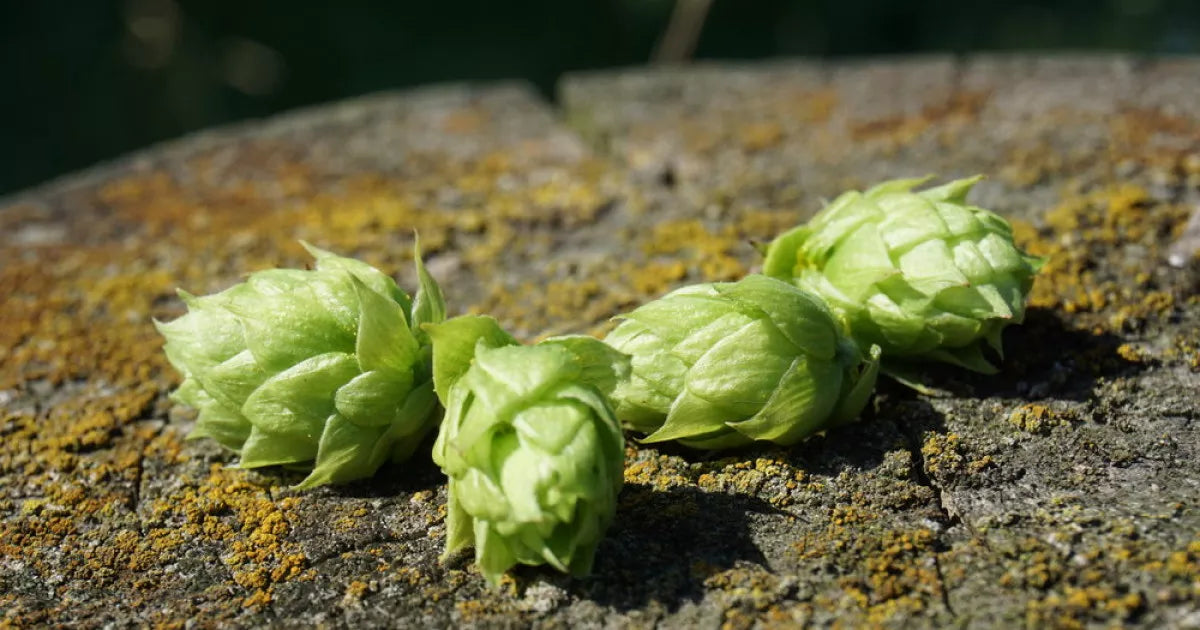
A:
<point x="747" y="593"/>
<point x="660" y="472"/>
<point x="1075" y="607"/>
<point x="944" y="454"/>
<point x="771" y="478"/>
<point x="775" y="114"/>
<point x="1073" y="577"/>
<point x="851" y="515"/>
<point x="52" y="535"/>
<point x="1131" y="353"/>
<point x="1035" y="418"/>
<point x="1090" y="258"/>
<point x="67" y="320"/>
<point x="762" y="226"/>
<point x="226" y="508"/>
<point x="708" y="252"/>
<point x="205" y="237"/>
<point x="1185" y="347"/>
<point x="890" y="574"/>
<point x="91" y="436"/>
<point x="533" y="311"/>
<point x="656" y="278"/>
<point x="357" y="590"/>
<point x="1029" y="164"/>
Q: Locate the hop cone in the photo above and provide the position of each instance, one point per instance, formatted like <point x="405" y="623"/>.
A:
<point x="318" y="369"/>
<point x="530" y="444"/>
<point x="922" y="274"/>
<point x="721" y="365"/>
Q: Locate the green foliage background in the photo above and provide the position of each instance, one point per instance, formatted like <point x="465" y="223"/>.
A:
<point x="85" y="80"/>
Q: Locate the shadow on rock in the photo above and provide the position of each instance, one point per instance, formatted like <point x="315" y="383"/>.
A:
<point x="1044" y="357"/>
<point x="391" y="480"/>
<point x="664" y="544"/>
<point x="858" y="445"/>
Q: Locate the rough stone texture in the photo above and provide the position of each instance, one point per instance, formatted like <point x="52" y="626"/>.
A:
<point x="1062" y="492"/>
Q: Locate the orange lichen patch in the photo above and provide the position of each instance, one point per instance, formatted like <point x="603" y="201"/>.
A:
<point x="771" y="477"/>
<point x="788" y="106"/>
<point x="851" y="515"/>
<point x="1114" y="215"/>
<point x="774" y="113"/>
<point x="1139" y="123"/>
<point x="1164" y="141"/>
<point x="757" y="136"/>
<point x="818" y="106"/>
<point x="959" y="108"/>
<point x="571" y="299"/>
<point x="465" y="121"/>
<point x="159" y="207"/>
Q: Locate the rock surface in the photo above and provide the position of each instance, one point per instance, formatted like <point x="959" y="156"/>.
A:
<point x="1062" y="492"/>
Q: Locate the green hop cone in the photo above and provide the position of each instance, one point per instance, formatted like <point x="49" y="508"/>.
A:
<point x="722" y="365"/>
<point x="315" y="369"/>
<point x="922" y="274"/>
<point x="531" y="446"/>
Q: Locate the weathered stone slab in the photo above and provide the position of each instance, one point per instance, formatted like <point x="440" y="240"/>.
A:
<point x="1060" y="492"/>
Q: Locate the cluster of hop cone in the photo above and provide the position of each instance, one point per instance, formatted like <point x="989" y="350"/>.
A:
<point x="337" y="370"/>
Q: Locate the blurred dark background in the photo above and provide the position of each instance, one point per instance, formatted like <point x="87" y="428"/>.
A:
<point x="86" y="80"/>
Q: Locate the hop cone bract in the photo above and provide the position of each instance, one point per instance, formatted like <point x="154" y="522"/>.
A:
<point x="722" y="365"/>
<point x="318" y="369"/>
<point x="922" y="274"/>
<point x="530" y="444"/>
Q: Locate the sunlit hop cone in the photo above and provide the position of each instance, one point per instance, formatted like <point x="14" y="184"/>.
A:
<point x="325" y="369"/>
<point x="922" y="274"/>
<point x="532" y="449"/>
<point x="722" y="365"/>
